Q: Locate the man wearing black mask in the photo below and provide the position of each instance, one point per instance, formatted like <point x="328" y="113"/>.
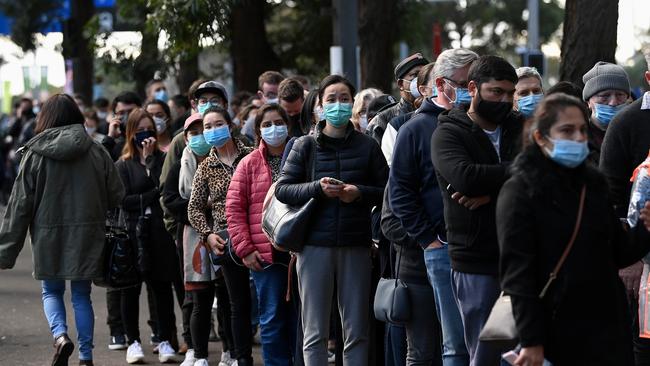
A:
<point x="292" y="97"/>
<point x="471" y="150"/>
<point x="122" y="105"/>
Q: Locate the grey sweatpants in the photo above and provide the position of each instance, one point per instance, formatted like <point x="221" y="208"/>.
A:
<point x="319" y="270"/>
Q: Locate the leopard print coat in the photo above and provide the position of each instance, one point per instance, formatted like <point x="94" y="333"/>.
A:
<point x="211" y="181"/>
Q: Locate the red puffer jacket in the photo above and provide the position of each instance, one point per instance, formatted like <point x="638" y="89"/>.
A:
<point x="248" y="187"/>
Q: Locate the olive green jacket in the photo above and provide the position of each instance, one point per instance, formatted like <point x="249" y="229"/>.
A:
<point x="66" y="184"/>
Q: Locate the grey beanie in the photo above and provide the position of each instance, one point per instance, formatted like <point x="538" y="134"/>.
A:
<point x="602" y="76"/>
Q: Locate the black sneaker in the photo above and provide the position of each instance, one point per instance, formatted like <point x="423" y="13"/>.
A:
<point x="118" y="343"/>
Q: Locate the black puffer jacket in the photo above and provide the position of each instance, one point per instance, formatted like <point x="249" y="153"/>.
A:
<point x="355" y="159"/>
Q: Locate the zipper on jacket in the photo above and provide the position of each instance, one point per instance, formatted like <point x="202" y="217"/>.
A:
<point x="338" y="202"/>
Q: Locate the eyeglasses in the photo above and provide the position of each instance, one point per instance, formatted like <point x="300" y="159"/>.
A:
<point x="605" y="97"/>
<point x="213" y="101"/>
<point x="455" y="84"/>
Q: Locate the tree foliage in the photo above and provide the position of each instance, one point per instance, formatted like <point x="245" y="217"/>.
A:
<point x="29" y="17"/>
<point x="487" y="27"/>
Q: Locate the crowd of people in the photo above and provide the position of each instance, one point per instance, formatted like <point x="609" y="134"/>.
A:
<point x="477" y="183"/>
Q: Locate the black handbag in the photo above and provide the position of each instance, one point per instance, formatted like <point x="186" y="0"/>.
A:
<point x="143" y="240"/>
<point x="119" y="258"/>
<point x="228" y="257"/>
<point x="392" y="300"/>
<point x="284" y="225"/>
<point x="500" y="329"/>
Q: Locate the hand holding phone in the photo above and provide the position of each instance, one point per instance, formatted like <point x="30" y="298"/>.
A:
<point x="335" y="182"/>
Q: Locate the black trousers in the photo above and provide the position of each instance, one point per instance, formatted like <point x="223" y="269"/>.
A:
<point x="114" y="307"/>
<point x="164" y="302"/>
<point x="200" y="320"/>
<point x="223" y="314"/>
<point x="238" y="284"/>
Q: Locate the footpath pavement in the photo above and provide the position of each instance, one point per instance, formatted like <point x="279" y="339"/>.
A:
<point x="25" y="338"/>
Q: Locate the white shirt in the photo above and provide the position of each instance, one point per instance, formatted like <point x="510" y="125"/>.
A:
<point x="495" y="138"/>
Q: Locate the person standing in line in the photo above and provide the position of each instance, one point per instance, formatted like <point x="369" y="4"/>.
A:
<point x="537" y="215"/>
<point x="471" y="150"/>
<point x="269" y="267"/>
<point x="209" y="189"/>
<point x="349" y="179"/>
<point x="416" y="198"/>
<point x="139" y="168"/>
<point x="65" y="186"/>
<point x="626" y="145"/>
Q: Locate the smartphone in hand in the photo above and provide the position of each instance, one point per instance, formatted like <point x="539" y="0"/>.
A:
<point x="334" y="181"/>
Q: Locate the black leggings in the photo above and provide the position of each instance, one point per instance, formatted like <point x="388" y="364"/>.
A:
<point x="164" y="300"/>
<point x="223" y="314"/>
<point x="238" y="283"/>
<point x="200" y="320"/>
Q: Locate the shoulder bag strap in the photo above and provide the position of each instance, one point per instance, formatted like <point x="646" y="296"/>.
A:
<point x="559" y="264"/>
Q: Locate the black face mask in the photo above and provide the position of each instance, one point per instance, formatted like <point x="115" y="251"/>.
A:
<point x="294" y="121"/>
<point x="141" y="136"/>
<point x="494" y="112"/>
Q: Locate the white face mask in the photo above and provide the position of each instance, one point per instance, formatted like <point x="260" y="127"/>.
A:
<point x="363" y="122"/>
<point x="161" y="124"/>
<point x="90" y="130"/>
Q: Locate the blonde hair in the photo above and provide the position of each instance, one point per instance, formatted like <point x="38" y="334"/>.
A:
<point x="362" y="97"/>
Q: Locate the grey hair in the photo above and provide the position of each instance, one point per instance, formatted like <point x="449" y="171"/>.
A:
<point x="528" y="72"/>
<point x="451" y="60"/>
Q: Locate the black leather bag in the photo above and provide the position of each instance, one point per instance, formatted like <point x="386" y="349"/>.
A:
<point x="392" y="300"/>
<point x="143" y="240"/>
<point x="120" y="269"/>
<point x="286" y="225"/>
<point x="228" y="257"/>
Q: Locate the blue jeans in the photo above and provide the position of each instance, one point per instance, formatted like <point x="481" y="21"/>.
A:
<point x="277" y="317"/>
<point x="84" y="317"/>
<point x="454" y="352"/>
<point x="476" y="295"/>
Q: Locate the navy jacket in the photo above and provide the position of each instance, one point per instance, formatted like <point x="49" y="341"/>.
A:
<point x="354" y="159"/>
<point x="414" y="193"/>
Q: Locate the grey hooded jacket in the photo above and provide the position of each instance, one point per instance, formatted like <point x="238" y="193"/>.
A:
<point x="65" y="186"/>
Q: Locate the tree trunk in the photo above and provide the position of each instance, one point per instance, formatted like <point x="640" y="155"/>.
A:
<point x="376" y="38"/>
<point x="589" y="36"/>
<point x="188" y="72"/>
<point x="250" y="49"/>
<point x="148" y="62"/>
<point x="77" y="49"/>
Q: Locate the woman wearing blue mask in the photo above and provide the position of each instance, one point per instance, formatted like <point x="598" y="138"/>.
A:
<point x="347" y="179"/>
<point x="606" y="91"/>
<point x="161" y="115"/>
<point x="538" y="214"/>
<point x="139" y="167"/>
<point x="208" y="199"/>
<point x="249" y="186"/>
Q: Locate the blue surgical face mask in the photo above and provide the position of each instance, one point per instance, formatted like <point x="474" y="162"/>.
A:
<point x="273" y="101"/>
<point x="161" y="95"/>
<point x="274" y="135"/>
<point x="462" y="96"/>
<point x="318" y="111"/>
<point x="604" y="113"/>
<point x="568" y="153"/>
<point x="161" y="124"/>
<point x="198" y="145"/>
<point x="414" y="88"/>
<point x="338" y="114"/>
<point x="363" y="122"/>
<point x="526" y="105"/>
<point x="217" y="136"/>
<point x="201" y="108"/>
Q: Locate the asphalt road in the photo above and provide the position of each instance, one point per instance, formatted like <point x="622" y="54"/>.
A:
<point x="25" y="338"/>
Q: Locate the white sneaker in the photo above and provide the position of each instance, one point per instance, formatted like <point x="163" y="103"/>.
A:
<point x="331" y="357"/>
<point x="189" y="358"/>
<point x="226" y="360"/>
<point x="134" y="353"/>
<point x="165" y="352"/>
<point x="201" y="362"/>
